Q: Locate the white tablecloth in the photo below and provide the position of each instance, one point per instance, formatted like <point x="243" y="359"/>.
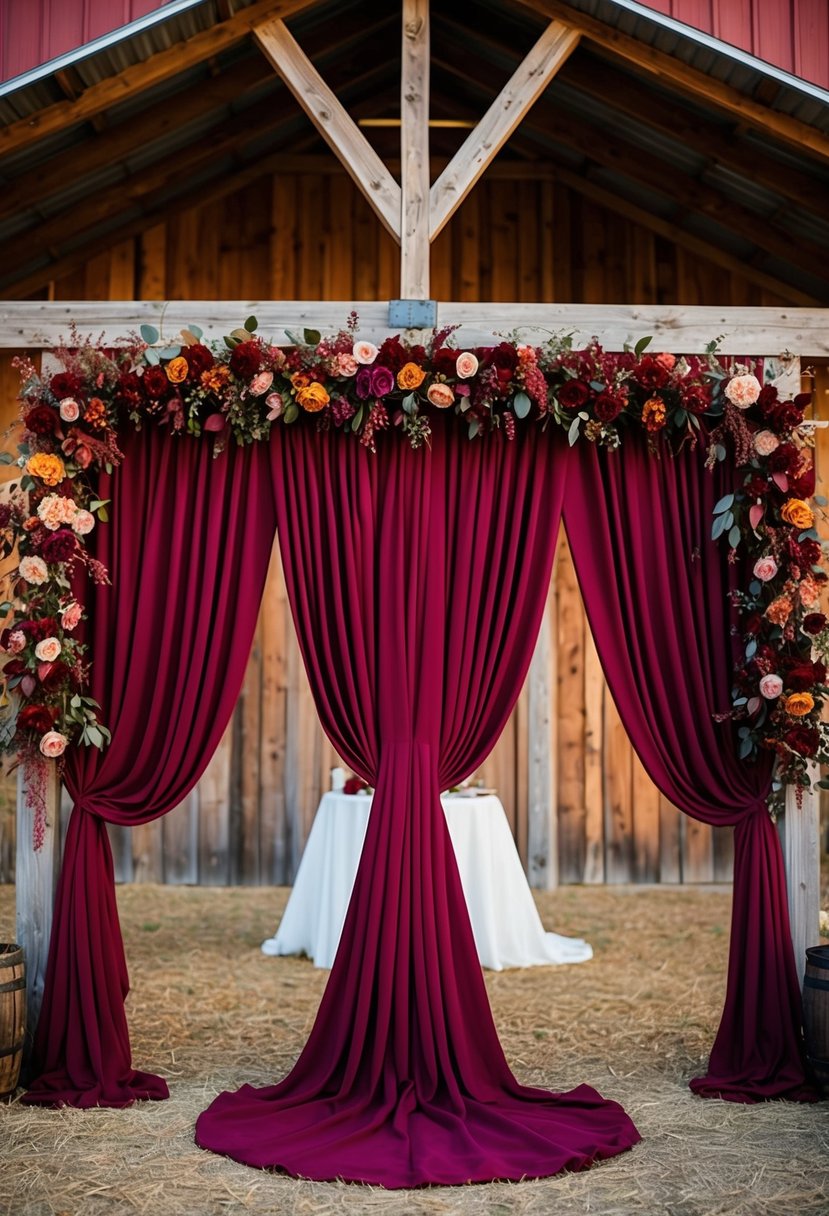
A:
<point x="507" y="928"/>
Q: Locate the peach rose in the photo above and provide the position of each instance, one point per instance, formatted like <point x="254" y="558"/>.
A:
<point x="666" y="360"/>
<point x="743" y="391"/>
<point x="260" y="383"/>
<point x="17" y="642"/>
<point x="83" y="522"/>
<point x="809" y="592"/>
<point x="798" y="704"/>
<point x="47" y="650"/>
<point x="467" y="365"/>
<point x="33" y="570"/>
<point x="441" y="395"/>
<point x="346" y="364"/>
<point x="312" y="397"/>
<point x="70" y="411"/>
<point x="177" y="369"/>
<point x="798" y="513"/>
<point x="779" y="610"/>
<point x="410" y="377"/>
<point x="54" y="510"/>
<point x="771" y="686"/>
<point x="365" y="352"/>
<point x="765" y="569"/>
<point x="765" y="442"/>
<point x="71" y="616"/>
<point x="53" y="744"/>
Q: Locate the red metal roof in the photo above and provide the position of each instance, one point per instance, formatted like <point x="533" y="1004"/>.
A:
<point x="791" y="34"/>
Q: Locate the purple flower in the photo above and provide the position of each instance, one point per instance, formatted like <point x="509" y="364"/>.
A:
<point x="382" y="380"/>
<point x="362" y="383"/>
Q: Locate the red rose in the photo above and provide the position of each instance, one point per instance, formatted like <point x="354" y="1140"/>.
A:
<point x="353" y="785"/>
<point x="65" y="384"/>
<point x="783" y="459"/>
<point x="803" y="486"/>
<point x="42" y="420"/>
<point x="155" y="383"/>
<point x="609" y="405"/>
<point x="59" y="546"/>
<point x="35" y="717"/>
<point x="756" y="485"/>
<point x="393" y="355"/>
<point x="572" y="394"/>
<point x="56" y="675"/>
<point x="245" y="360"/>
<point x="128" y="391"/>
<point x="809" y="552"/>
<point x="814" y="623"/>
<point x="14" y="667"/>
<point x="752" y="624"/>
<point x="800" y="676"/>
<point x="200" y="358"/>
<point x="696" y="398"/>
<point x="46" y="627"/>
<point x="650" y="373"/>
<point x="785" y="416"/>
<point x="444" y="361"/>
<point x="805" y="740"/>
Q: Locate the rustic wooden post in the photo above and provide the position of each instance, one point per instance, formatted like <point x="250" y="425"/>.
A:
<point x="414" y="152"/>
<point x="800" y="837"/>
<point x="35" y="882"/>
<point x="542" y="819"/>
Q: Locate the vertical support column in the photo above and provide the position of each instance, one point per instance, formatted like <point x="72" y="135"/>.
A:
<point x="800" y="837"/>
<point x="414" y="152"/>
<point x="542" y="817"/>
<point x="35" y="882"/>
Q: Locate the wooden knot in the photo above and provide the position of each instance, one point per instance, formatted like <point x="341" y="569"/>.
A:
<point x="413" y="28"/>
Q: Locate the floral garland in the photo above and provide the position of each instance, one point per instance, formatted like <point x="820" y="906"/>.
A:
<point x="71" y="421"/>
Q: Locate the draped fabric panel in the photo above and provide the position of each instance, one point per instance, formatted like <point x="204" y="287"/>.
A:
<point x="656" y="592"/>
<point x="187" y="551"/>
<point x="417" y="582"/>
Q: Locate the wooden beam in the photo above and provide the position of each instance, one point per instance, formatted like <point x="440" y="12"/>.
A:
<point x="414" y="152"/>
<point x="36" y="877"/>
<point x="144" y="75"/>
<point x="39" y="324"/>
<point x="679" y="77"/>
<point x="526" y="84"/>
<point x="332" y="121"/>
<point x="687" y="240"/>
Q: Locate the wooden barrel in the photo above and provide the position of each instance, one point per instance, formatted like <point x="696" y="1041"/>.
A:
<point x="816" y="1013"/>
<point x="12" y="1016"/>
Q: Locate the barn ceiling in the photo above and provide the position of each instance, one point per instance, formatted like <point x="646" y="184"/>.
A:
<point x="707" y="148"/>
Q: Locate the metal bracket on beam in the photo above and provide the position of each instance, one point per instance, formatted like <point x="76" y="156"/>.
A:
<point x="413" y="314"/>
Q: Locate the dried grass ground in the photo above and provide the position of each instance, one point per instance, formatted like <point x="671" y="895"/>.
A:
<point x="209" y="1011"/>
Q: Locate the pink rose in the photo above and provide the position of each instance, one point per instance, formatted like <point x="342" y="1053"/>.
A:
<point x="765" y="569"/>
<point x="765" y="442"/>
<point x="365" y="352"/>
<point x="260" y="383"/>
<point x="276" y="406"/>
<point x="47" y="650"/>
<point x="466" y="365"/>
<point x="346" y="364"/>
<point x="53" y="744"/>
<point x="771" y="686"/>
<point x="17" y="642"/>
<point x="441" y="395"/>
<point x="83" y="522"/>
<point x="665" y="360"/>
<point x="55" y="510"/>
<point x="33" y="570"/>
<point x="70" y="411"/>
<point x="743" y="391"/>
<point x="71" y="615"/>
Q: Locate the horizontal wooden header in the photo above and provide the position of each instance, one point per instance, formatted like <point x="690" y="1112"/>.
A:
<point x="36" y="324"/>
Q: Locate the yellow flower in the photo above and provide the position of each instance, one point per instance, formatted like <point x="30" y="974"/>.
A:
<point x="215" y="378"/>
<point x="798" y="513"/>
<point x="312" y="397"/>
<point x="653" y="414"/>
<point x="799" y="703"/>
<point x="48" y="468"/>
<point x="410" y="376"/>
<point x="177" y="369"/>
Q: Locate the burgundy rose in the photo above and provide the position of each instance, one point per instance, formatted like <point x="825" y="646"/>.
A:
<point x="650" y="373"/>
<point x="392" y="354"/>
<point x="785" y="416"/>
<point x="767" y="399"/>
<point x="14" y="667"/>
<point x="65" y="384"/>
<point x="809" y="552"/>
<point x="362" y="383"/>
<point x="245" y="360"/>
<point x="814" y="623"/>
<point x="783" y="459"/>
<point x="752" y="624"/>
<point x="353" y="785"/>
<point x="35" y="717"/>
<point x="696" y="398"/>
<point x="504" y="357"/>
<point x="609" y="405"/>
<point x="59" y="546"/>
<point x="155" y="383"/>
<point x="756" y="485"/>
<point x="42" y="420"/>
<point x="199" y="358"/>
<point x="46" y="627"/>
<point x="444" y="361"/>
<point x="803" y="486"/>
<point x="128" y="391"/>
<point x="801" y="676"/>
<point x="573" y="394"/>
<point x="57" y="673"/>
<point x="805" y="740"/>
<point x="382" y="380"/>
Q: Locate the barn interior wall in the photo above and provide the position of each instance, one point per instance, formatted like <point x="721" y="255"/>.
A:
<point x="312" y="236"/>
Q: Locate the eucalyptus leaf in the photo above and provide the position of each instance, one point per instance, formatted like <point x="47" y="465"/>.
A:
<point x="291" y="413"/>
<point x="721" y="523"/>
<point x="251" y="325"/>
<point x="755" y="587"/>
<point x="311" y="336"/>
<point x="746" y="748"/>
<point x="474" y="427"/>
<point x="725" y="502"/>
<point x="573" y="433"/>
<point x="230" y="342"/>
<point x="357" y="420"/>
<point x="149" y="333"/>
<point x="196" y="331"/>
<point x="751" y="650"/>
<point x="719" y="451"/>
<point x="151" y="356"/>
<point x="521" y="404"/>
<point x="597" y="386"/>
<point x="103" y="515"/>
<point x="169" y="352"/>
<point x="5" y="609"/>
<point x="735" y="536"/>
<point x="6" y="458"/>
<point x="642" y="344"/>
<point x="408" y="403"/>
<point x="821" y="500"/>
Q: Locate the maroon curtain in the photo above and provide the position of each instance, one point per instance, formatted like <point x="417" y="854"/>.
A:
<point x="656" y="591"/>
<point x="417" y="582"/>
<point x="187" y="551"/>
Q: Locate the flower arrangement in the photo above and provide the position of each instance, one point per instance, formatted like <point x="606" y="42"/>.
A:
<point x="71" y="421"/>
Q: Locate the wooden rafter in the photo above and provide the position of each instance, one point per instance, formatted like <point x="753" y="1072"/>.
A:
<point x="529" y="80"/>
<point x="414" y="151"/>
<point x="140" y="76"/>
<point x="679" y="77"/>
<point x="332" y="121"/>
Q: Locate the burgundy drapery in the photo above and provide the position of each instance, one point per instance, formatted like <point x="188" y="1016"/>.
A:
<point x="656" y="593"/>
<point x="187" y="551"/>
<point x="417" y="582"/>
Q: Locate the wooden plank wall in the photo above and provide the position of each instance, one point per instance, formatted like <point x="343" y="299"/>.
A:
<point x="312" y="236"/>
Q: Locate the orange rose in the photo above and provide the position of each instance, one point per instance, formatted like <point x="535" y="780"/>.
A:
<point x="215" y="378"/>
<point x="47" y="467"/>
<point x="799" y="703"/>
<point x="653" y="414"/>
<point x="312" y="397"/>
<point x="798" y="513"/>
<point x="300" y="379"/>
<point x="95" y="414"/>
<point x="410" y="376"/>
<point x="441" y="395"/>
<point x="177" y="369"/>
